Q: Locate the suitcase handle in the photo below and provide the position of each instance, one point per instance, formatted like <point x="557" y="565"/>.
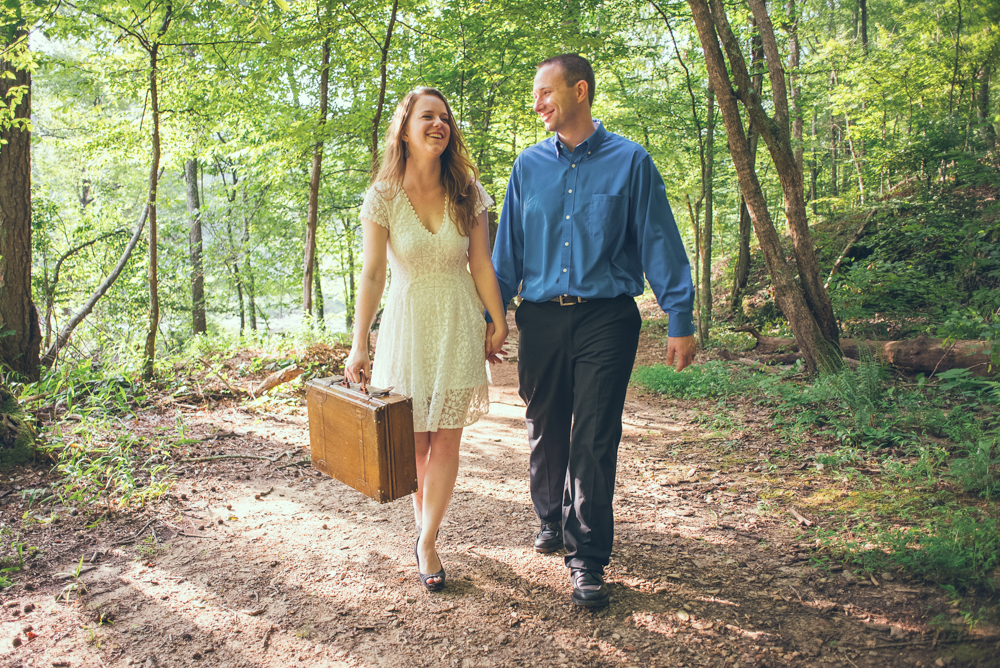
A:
<point x="363" y="384"/>
<point x="363" y="388"/>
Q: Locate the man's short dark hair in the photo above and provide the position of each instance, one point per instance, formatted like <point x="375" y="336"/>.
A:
<point x="575" y="68"/>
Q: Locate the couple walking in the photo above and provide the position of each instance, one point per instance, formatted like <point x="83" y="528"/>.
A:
<point x="585" y="219"/>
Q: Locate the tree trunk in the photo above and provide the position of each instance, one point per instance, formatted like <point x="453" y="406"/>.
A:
<point x="958" y="53"/>
<point x="347" y="238"/>
<point x="154" y="296"/>
<point x="814" y="165"/>
<point x="983" y="108"/>
<point x="742" y="272"/>
<point x="247" y="281"/>
<point x="855" y="158"/>
<point x="818" y="349"/>
<point x="863" y="6"/>
<point x="384" y="49"/>
<point x="312" y="216"/>
<point x="793" y="80"/>
<point x="318" y="291"/>
<point x="20" y="334"/>
<point x="705" y="319"/>
<point x="198" y="323"/>
<point x="777" y="138"/>
<point x="154" y="172"/>
<point x="238" y="280"/>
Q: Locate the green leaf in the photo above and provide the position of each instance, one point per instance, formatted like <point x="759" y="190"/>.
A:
<point x="283" y="4"/>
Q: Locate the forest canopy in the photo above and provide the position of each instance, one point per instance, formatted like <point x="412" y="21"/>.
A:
<point x="245" y="132"/>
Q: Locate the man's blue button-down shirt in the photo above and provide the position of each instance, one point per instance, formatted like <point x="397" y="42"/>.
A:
<point x="590" y="224"/>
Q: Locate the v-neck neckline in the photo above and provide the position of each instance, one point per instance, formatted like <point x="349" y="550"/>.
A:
<point x="413" y="210"/>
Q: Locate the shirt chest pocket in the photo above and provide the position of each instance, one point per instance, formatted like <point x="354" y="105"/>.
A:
<point x="607" y="215"/>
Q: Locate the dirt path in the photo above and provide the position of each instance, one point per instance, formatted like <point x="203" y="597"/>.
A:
<point x="256" y="565"/>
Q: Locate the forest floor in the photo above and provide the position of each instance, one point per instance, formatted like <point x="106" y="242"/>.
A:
<point x="249" y="562"/>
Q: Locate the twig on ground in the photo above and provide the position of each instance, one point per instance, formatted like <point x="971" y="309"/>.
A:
<point x="75" y="574"/>
<point x="799" y="518"/>
<point x="194" y="535"/>
<point x="224" y="434"/>
<point x="924" y="641"/>
<point x="212" y="369"/>
<point x="137" y="535"/>
<point x="301" y="462"/>
<point x="214" y="457"/>
<point x="274" y="459"/>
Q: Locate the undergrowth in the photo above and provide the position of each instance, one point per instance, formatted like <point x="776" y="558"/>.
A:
<point x="925" y="452"/>
<point x="88" y="409"/>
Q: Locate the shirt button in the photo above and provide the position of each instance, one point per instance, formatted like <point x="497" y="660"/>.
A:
<point x="566" y="244"/>
<point x="567" y="217"/>
<point x="573" y="165"/>
<point x="564" y="270"/>
<point x="571" y="190"/>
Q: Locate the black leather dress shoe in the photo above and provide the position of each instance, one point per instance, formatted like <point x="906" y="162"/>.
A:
<point x="589" y="589"/>
<point x="550" y="538"/>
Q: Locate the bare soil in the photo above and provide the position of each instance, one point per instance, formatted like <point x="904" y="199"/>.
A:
<point x="260" y="563"/>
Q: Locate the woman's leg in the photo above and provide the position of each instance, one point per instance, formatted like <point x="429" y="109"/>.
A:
<point x="422" y="443"/>
<point x="438" y="482"/>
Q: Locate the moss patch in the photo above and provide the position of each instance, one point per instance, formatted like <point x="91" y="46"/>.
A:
<point x="17" y="436"/>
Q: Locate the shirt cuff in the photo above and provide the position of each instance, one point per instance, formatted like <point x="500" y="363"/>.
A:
<point x="680" y="324"/>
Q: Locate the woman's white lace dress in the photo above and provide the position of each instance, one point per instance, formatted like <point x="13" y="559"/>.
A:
<point x="432" y="334"/>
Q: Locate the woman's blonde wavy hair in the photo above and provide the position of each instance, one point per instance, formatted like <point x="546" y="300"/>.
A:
<point x="458" y="173"/>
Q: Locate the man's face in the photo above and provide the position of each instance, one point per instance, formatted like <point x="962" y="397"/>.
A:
<point x="556" y="102"/>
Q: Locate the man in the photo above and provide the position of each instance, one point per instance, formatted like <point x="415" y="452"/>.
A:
<point x="585" y="217"/>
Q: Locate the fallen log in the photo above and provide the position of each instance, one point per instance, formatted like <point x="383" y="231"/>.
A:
<point x="921" y="354"/>
<point x="278" y="377"/>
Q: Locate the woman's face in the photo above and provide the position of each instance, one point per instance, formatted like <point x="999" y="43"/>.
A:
<point x="427" y="132"/>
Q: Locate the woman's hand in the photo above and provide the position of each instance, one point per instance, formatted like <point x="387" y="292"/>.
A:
<point x="358" y="367"/>
<point x="496" y="334"/>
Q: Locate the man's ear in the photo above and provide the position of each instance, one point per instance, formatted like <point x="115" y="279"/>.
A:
<point x="581" y="90"/>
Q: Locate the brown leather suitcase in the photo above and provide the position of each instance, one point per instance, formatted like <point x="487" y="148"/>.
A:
<point x="363" y="440"/>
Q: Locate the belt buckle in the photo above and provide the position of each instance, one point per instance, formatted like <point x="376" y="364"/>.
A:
<point x="572" y="301"/>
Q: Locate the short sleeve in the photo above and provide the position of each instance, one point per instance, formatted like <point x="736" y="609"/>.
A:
<point x="374" y="207"/>
<point x="483" y="201"/>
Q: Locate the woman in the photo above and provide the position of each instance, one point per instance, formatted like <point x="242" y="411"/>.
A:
<point x="426" y="206"/>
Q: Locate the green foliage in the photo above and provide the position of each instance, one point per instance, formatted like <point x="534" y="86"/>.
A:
<point x="861" y="391"/>
<point x="979" y="471"/>
<point x="14" y="553"/>
<point x="703" y="381"/>
<point x="88" y="389"/>
<point x="937" y="256"/>
<point x="97" y="462"/>
<point x="955" y="546"/>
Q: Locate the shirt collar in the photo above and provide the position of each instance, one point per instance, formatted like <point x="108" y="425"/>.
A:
<point x="592" y="142"/>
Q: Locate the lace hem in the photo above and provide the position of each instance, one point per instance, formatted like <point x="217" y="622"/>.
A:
<point x="452" y="409"/>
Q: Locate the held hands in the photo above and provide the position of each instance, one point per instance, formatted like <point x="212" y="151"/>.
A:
<point x="358" y="367"/>
<point x="684" y="347"/>
<point x="496" y="334"/>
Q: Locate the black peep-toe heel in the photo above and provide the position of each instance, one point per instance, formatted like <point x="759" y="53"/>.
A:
<point x="431" y="586"/>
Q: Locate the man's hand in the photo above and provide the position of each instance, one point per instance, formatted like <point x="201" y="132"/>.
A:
<point x="684" y="347"/>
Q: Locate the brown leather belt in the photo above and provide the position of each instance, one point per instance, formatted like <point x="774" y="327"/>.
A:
<point x="566" y="300"/>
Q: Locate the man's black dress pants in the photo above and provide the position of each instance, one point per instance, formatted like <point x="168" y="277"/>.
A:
<point x="574" y="364"/>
